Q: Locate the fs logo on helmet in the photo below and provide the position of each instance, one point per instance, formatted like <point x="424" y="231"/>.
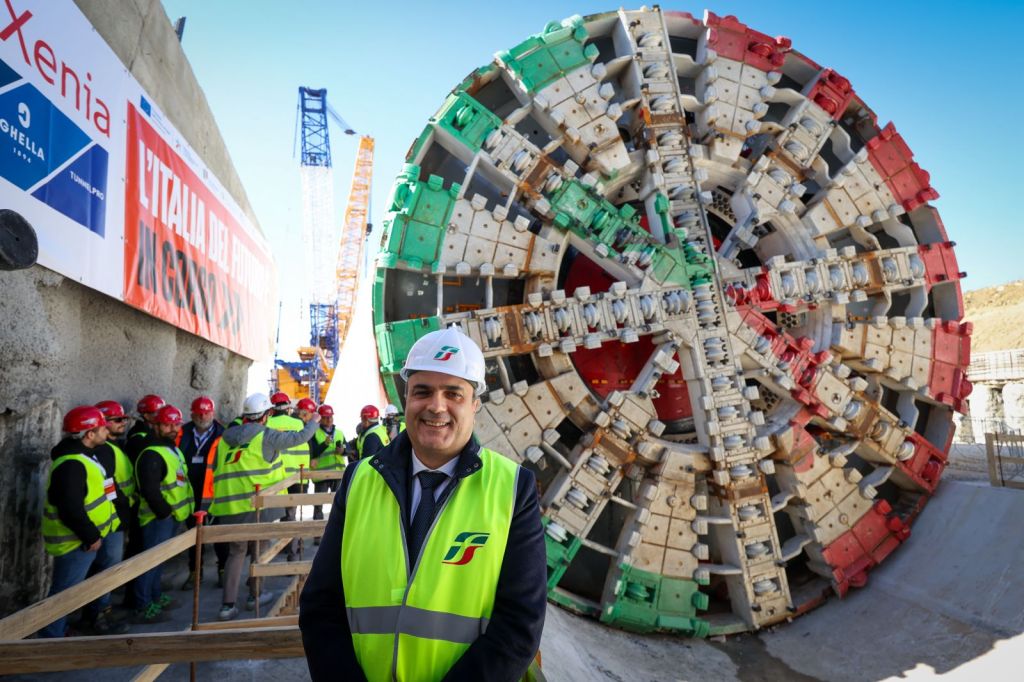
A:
<point x="466" y="545"/>
<point x="445" y="353"/>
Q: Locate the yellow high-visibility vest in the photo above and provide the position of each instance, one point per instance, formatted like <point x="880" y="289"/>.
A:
<point x="436" y="604"/>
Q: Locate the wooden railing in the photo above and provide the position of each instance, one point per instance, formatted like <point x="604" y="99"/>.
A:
<point x="273" y="636"/>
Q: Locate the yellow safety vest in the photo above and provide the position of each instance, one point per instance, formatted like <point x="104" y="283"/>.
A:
<point x="378" y="429"/>
<point x="415" y="626"/>
<point x="124" y="473"/>
<point x="236" y="473"/>
<point x="330" y="459"/>
<point x="174" y="487"/>
<point x="58" y="538"/>
<point x="295" y="455"/>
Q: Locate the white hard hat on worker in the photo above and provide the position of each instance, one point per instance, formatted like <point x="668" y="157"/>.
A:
<point x="448" y="351"/>
<point x="256" y="405"/>
<point x="439" y="411"/>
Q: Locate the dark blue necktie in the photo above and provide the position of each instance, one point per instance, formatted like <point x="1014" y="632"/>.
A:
<point x="429" y="480"/>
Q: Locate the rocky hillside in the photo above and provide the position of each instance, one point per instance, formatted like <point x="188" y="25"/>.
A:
<point x="998" y="316"/>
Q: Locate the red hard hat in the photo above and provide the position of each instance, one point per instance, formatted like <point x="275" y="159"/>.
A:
<point x="280" y="398"/>
<point x="150" y="403"/>
<point x="369" y="412"/>
<point x="111" y="409"/>
<point x="307" y="404"/>
<point x="83" y="418"/>
<point x="326" y="411"/>
<point x="168" y="414"/>
<point x="202" y="405"/>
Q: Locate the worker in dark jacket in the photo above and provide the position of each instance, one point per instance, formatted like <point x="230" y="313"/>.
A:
<point x="165" y="500"/>
<point x="147" y="407"/>
<point x="98" y="617"/>
<point x="79" y="512"/>
<point x="198" y="444"/>
<point x="439" y="544"/>
<point x="373" y="436"/>
<point x="134" y="442"/>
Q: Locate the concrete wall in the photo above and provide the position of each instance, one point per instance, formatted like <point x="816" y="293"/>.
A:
<point x="995" y="407"/>
<point x="62" y="344"/>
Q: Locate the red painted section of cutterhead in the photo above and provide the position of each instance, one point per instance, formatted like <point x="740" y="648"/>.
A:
<point x="615" y="365"/>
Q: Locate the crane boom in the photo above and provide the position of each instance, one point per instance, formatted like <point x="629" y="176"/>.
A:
<point x="353" y="235"/>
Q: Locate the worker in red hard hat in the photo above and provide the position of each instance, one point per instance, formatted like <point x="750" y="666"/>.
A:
<point x="114" y="459"/>
<point x="327" y="453"/>
<point x="282" y="403"/>
<point x="147" y="407"/>
<point x="166" y="500"/>
<point x="79" y="511"/>
<point x="99" y="618"/>
<point x="198" y="444"/>
<point x="374" y="435"/>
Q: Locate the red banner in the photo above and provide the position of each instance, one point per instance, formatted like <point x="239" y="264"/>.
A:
<point x="188" y="258"/>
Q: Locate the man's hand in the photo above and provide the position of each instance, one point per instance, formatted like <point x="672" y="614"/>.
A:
<point x="94" y="546"/>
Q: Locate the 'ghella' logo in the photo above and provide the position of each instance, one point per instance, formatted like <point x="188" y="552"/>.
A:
<point x="466" y="543"/>
<point x="445" y="353"/>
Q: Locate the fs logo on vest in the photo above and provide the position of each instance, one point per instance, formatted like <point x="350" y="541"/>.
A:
<point x="466" y="543"/>
<point x="235" y="456"/>
<point x="446" y="353"/>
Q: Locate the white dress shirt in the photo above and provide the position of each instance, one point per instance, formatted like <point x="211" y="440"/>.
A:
<point x="417" y="467"/>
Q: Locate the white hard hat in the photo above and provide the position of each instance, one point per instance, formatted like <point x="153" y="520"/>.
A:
<point x="390" y="411"/>
<point x="257" y="403"/>
<point x="448" y="351"/>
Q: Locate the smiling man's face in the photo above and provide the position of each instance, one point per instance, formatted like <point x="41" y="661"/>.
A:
<point x="439" y="414"/>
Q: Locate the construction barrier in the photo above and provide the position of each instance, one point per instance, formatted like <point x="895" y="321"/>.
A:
<point x="1005" y="454"/>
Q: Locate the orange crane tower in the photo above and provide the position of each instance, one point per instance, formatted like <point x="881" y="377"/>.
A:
<point x="354" y="231"/>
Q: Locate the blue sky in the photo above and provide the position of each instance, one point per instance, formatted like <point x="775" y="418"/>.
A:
<point x="947" y="75"/>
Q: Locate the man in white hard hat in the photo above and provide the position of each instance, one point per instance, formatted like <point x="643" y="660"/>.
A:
<point x="394" y="422"/>
<point x="439" y="542"/>
<point x="249" y="454"/>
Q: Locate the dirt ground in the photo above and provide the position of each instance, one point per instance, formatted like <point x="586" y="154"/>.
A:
<point x="996" y="313"/>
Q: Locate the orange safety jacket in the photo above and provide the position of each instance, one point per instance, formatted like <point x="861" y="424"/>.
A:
<point x="211" y="458"/>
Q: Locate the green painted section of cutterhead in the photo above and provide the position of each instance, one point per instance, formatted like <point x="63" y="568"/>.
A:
<point x="379" y="278"/>
<point x="547" y="56"/>
<point x="560" y="554"/>
<point x="418" y="144"/>
<point x="616" y="232"/>
<point x="466" y="120"/>
<point x="394" y="340"/>
<point x="649" y="602"/>
<point x="416" y="221"/>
